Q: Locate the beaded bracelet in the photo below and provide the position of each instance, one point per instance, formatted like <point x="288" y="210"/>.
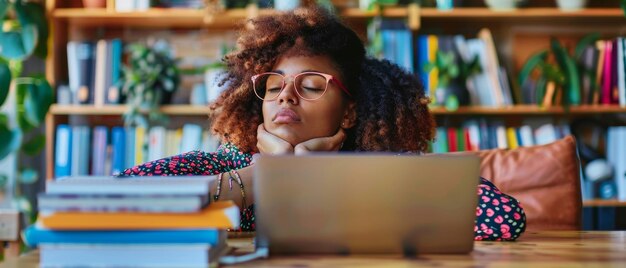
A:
<point x="219" y="187"/>
<point x="237" y="179"/>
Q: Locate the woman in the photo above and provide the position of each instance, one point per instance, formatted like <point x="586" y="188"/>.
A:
<point x="300" y="82"/>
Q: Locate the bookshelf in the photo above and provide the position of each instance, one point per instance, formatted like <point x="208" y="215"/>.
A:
<point x="161" y="17"/>
<point x="183" y="110"/>
<point x="604" y="203"/>
<point x="511" y="41"/>
<point x="196" y="110"/>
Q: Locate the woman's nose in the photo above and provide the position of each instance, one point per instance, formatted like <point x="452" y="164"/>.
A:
<point x="288" y="94"/>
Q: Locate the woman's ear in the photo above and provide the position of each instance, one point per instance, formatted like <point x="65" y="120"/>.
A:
<point x="349" y="116"/>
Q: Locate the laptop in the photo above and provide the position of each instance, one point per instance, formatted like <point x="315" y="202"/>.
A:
<point x="366" y="203"/>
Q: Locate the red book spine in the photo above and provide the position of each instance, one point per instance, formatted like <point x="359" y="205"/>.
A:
<point x="452" y="146"/>
<point x="606" y="73"/>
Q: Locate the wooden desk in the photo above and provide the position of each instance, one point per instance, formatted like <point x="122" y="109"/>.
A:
<point x="540" y="249"/>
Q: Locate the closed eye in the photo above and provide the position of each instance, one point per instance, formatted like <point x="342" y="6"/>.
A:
<point x="313" y="89"/>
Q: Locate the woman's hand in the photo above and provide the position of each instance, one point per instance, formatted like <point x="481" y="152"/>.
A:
<point x="332" y="143"/>
<point x="267" y="143"/>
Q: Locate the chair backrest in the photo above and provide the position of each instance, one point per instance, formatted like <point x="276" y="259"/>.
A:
<point x="544" y="178"/>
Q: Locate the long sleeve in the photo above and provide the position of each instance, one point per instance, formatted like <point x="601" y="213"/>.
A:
<point x="226" y="158"/>
<point x="499" y="217"/>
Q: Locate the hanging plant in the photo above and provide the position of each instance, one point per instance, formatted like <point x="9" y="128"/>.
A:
<point x="23" y="33"/>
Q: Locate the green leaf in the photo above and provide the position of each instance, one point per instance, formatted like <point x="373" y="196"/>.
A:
<point x="532" y="62"/>
<point x="18" y="44"/>
<point x="586" y="41"/>
<point x="10" y="140"/>
<point x="34" y="145"/>
<point x="23" y="204"/>
<point x="33" y="101"/>
<point x="454" y="71"/>
<point x="5" y="81"/>
<point x="4" y="119"/>
<point x="571" y="93"/>
<point x="4" y="6"/>
<point x="38" y="101"/>
<point x="28" y="176"/>
<point x="34" y="14"/>
<point x="540" y="90"/>
<point x="623" y="5"/>
<point x="20" y="94"/>
<point x="452" y="103"/>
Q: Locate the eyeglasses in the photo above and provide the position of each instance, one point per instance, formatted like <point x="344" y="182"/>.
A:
<point x="308" y="85"/>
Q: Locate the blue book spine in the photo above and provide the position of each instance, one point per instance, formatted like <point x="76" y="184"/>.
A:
<point x="130" y="147"/>
<point x="388" y="45"/>
<point x="99" y="146"/>
<point x="116" y="51"/>
<point x="35" y="236"/>
<point x="63" y="149"/>
<point x="406" y="53"/>
<point x="118" y="141"/>
<point x="422" y="60"/>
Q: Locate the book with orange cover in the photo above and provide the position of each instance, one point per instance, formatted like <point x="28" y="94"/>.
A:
<point x="217" y="215"/>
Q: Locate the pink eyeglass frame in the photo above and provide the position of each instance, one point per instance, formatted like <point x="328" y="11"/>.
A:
<point x="327" y="76"/>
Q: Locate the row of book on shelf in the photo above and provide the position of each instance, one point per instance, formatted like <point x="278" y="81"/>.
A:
<point x="95" y="69"/>
<point x="476" y="135"/>
<point x="83" y="150"/>
<point x="601" y="68"/>
<point x="139" y="222"/>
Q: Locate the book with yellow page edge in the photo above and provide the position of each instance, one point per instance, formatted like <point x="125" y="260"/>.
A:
<point x="217" y="215"/>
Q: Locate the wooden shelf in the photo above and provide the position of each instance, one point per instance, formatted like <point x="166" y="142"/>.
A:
<point x="183" y="110"/>
<point x="530" y="110"/>
<point x="173" y="17"/>
<point x="486" y="13"/>
<point x="156" y="17"/>
<point x="604" y="203"/>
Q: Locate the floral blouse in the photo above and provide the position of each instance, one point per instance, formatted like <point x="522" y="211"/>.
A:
<point x="499" y="216"/>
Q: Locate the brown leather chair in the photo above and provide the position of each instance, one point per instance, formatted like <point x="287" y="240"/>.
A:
<point x="545" y="179"/>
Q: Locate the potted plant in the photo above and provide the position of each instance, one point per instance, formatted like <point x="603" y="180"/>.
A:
<point x="452" y="77"/>
<point x="149" y="80"/>
<point x="540" y="70"/>
<point x="24" y="100"/>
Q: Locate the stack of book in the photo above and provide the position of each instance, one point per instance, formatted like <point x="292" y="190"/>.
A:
<point x="138" y="222"/>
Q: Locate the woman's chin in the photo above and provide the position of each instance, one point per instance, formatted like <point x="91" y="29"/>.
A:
<point x="287" y="135"/>
<point x="294" y="136"/>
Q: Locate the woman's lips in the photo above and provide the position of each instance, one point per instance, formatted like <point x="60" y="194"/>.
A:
<point x="286" y="116"/>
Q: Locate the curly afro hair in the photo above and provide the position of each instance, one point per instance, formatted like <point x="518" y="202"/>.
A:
<point x="391" y="108"/>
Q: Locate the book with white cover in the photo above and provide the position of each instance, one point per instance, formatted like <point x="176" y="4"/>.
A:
<point x="122" y="203"/>
<point x="156" y="143"/>
<point x="149" y="185"/>
<point x="526" y="133"/>
<point x="192" y="138"/>
<point x="620" y="163"/>
<point x="129" y="255"/>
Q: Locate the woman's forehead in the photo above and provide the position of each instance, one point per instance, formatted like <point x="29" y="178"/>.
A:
<point x="288" y="64"/>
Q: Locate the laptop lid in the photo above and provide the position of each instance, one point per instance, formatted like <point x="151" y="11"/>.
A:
<point x="366" y="203"/>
